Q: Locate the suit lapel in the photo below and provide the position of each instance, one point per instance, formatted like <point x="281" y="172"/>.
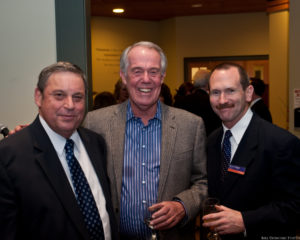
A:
<point x="50" y="164"/>
<point x="244" y="155"/>
<point x="169" y="130"/>
<point x="214" y="164"/>
<point x="116" y="138"/>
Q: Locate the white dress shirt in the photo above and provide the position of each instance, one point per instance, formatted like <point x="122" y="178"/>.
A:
<point x="85" y="163"/>
<point x="238" y="131"/>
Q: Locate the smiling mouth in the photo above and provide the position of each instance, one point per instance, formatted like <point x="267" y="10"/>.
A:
<point x="145" y="90"/>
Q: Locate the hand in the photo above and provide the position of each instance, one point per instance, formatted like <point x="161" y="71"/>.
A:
<point x="17" y="129"/>
<point x="225" y="221"/>
<point x="168" y="214"/>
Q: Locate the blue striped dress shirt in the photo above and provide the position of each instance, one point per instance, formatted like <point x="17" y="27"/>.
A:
<point x="140" y="172"/>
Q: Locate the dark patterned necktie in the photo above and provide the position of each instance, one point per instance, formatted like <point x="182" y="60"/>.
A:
<point x="84" y="195"/>
<point x="226" y="150"/>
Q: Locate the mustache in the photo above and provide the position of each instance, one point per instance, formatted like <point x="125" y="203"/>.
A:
<point x="225" y="105"/>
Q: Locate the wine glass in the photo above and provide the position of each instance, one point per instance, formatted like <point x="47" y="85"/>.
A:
<point x="147" y="220"/>
<point x="209" y="207"/>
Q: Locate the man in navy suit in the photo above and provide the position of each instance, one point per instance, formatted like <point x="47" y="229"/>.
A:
<point x="259" y="186"/>
<point x="38" y="193"/>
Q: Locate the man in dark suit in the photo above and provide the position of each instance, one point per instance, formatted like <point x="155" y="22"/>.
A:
<point x="254" y="169"/>
<point x="41" y="192"/>
<point x="257" y="104"/>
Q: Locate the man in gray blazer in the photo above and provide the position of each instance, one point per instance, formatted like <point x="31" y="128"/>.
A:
<point x="156" y="153"/>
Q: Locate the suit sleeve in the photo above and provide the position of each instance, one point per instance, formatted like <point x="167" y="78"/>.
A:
<point x="283" y="211"/>
<point x="193" y="197"/>
<point x="8" y="208"/>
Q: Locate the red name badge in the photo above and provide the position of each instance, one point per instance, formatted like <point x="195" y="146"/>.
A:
<point x="236" y="169"/>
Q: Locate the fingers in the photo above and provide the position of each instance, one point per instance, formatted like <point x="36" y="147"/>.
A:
<point x="226" y="221"/>
<point x="170" y="213"/>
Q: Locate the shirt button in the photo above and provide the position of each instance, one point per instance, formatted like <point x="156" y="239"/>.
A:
<point x="143" y="146"/>
<point x="143" y="182"/>
<point x="143" y="164"/>
<point x="144" y="201"/>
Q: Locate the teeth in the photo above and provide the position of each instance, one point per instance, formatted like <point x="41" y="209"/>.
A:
<point x="145" y="90"/>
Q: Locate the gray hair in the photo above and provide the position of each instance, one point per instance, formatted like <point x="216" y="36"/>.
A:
<point x="124" y="63"/>
<point x="60" y="67"/>
<point x="201" y="78"/>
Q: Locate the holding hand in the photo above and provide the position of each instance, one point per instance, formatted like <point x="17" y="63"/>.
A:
<point x="225" y="221"/>
<point x="168" y="214"/>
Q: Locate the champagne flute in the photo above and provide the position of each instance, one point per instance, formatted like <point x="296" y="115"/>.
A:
<point x="209" y="207"/>
<point x="147" y="220"/>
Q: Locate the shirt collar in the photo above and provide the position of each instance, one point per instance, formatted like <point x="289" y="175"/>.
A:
<point x="240" y="127"/>
<point x="254" y="101"/>
<point x="130" y="115"/>
<point x="57" y="140"/>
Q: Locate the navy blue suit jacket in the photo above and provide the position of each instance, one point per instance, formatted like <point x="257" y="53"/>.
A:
<point x="36" y="199"/>
<point x="268" y="194"/>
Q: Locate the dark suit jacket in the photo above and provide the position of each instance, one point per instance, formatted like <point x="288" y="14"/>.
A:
<point x="261" y="109"/>
<point x="36" y="199"/>
<point x="268" y="195"/>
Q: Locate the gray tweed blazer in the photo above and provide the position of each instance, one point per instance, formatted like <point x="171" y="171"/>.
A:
<point x="182" y="162"/>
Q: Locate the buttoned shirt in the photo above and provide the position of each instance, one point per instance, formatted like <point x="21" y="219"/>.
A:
<point x="140" y="172"/>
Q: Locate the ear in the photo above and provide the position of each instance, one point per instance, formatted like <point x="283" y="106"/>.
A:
<point x="122" y="75"/>
<point x="38" y="97"/>
<point x="162" y="78"/>
<point x="249" y="92"/>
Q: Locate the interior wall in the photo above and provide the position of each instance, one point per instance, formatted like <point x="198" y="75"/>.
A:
<point x="195" y="36"/>
<point x="278" y="70"/>
<point x="221" y="35"/>
<point x="294" y="59"/>
<point x="109" y="37"/>
<point x="28" y="43"/>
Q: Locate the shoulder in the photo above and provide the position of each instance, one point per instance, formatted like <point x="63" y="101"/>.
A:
<point x="180" y="115"/>
<point x="272" y="135"/>
<point x="103" y="113"/>
<point x="16" y="146"/>
<point x="86" y="133"/>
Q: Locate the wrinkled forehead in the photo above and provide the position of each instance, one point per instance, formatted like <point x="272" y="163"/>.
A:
<point x="141" y="54"/>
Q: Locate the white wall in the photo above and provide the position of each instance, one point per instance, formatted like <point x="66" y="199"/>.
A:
<point x="28" y="43"/>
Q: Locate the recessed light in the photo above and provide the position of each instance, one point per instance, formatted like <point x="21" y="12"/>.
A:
<point x="198" y="5"/>
<point x="118" y="10"/>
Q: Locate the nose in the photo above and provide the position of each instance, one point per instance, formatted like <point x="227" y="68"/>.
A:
<point x="69" y="102"/>
<point x="146" y="77"/>
<point x="222" y="98"/>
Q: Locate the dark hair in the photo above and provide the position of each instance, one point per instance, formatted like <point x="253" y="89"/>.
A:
<point x="244" y="79"/>
<point x="104" y="99"/>
<point x="184" y="88"/>
<point x="59" y="67"/>
<point x="258" y="85"/>
<point x="166" y="94"/>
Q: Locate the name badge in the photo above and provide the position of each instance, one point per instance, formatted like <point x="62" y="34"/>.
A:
<point x="236" y="169"/>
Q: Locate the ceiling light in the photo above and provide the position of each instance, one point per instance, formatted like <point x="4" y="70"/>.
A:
<point x="118" y="10"/>
<point x="198" y="5"/>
